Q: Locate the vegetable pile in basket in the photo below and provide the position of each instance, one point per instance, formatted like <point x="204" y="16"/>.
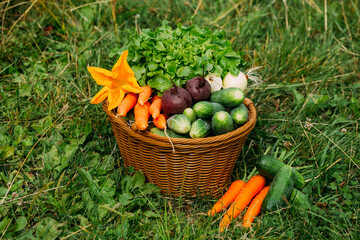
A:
<point x="179" y="83"/>
<point x="284" y="188"/>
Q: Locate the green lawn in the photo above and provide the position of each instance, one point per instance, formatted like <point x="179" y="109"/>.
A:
<point x="308" y="115"/>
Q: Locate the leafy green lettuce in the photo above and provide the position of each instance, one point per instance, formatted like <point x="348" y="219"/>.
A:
<point x="179" y="54"/>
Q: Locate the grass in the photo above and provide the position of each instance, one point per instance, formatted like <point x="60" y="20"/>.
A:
<point x="308" y="115"/>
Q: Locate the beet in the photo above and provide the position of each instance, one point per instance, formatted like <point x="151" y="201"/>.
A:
<point x="199" y="88"/>
<point x="175" y="100"/>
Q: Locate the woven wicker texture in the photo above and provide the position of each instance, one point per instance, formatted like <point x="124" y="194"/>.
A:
<point x="198" y="167"/>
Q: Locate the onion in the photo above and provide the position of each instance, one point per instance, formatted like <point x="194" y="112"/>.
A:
<point x="239" y="81"/>
<point x="215" y="82"/>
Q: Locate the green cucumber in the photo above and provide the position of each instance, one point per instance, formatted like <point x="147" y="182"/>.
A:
<point x="222" y="123"/>
<point x="268" y="166"/>
<point x="205" y="109"/>
<point x="130" y="116"/>
<point x="170" y="133"/>
<point x="281" y="186"/>
<point x="200" y="128"/>
<point x="239" y="114"/>
<point x="190" y="113"/>
<point x="299" y="199"/>
<point x="179" y="123"/>
<point x="229" y="97"/>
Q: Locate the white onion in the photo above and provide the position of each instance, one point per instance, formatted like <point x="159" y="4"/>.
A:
<point x="239" y="81"/>
<point x="215" y="82"/>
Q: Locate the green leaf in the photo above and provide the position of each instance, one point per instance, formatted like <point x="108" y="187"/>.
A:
<point x="25" y="90"/>
<point x="42" y="124"/>
<point x="21" y="223"/>
<point x="171" y="67"/>
<point x="123" y="229"/>
<point x="51" y="159"/>
<point x="4" y="223"/>
<point x="138" y="70"/>
<point x="28" y="141"/>
<point x="125" y="198"/>
<point x="149" y="188"/>
<point x="19" y="133"/>
<point x="184" y="71"/>
<point x="160" y="82"/>
<point x="4" y="139"/>
<point x="151" y="214"/>
<point x="126" y="184"/>
<point x="48" y="229"/>
<point x="152" y="66"/>
<point x="160" y="46"/>
<point x="138" y="179"/>
<point x="108" y="189"/>
<point x="94" y="188"/>
<point x="3" y="191"/>
<point x="6" y="152"/>
<point x="298" y="97"/>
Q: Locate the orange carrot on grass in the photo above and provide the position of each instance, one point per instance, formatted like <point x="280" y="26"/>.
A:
<point x="127" y="104"/>
<point x="142" y="116"/>
<point x="144" y="95"/>
<point x="254" y="207"/>
<point x="160" y="121"/>
<point x="227" y="198"/>
<point x="252" y="187"/>
<point x="155" y="107"/>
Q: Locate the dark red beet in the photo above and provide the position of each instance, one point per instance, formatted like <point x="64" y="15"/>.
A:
<point x="175" y="100"/>
<point x="198" y="88"/>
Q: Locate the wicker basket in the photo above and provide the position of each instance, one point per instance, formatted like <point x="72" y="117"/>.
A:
<point x="201" y="166"/>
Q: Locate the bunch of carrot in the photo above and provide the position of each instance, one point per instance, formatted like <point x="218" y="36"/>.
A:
<point x="143" y="109"/>
<point x="238" y="197"/>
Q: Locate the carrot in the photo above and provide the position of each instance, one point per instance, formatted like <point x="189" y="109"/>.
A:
<point x="252" y="187"/>
<point x="144" y="95"/>
<point x="142" y="116"/>
<point x="160" y="121"/>
<point x="127" y="104"/>
<point x="254" y="207"/>
<point x="227" y="198"/>
<point x="155" y="107"/>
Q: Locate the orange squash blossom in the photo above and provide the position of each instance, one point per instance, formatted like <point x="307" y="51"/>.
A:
<point x="117" y="82"/>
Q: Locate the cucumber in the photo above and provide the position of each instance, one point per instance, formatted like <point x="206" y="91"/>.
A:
<point x="222" y="123"/>
<point x="229" y="97"/>
<point x="299" y="199"/>
<point x="200" y="128"/>
<point x="268" y="166"/>
<point x="130" y="116"/>
<point x="190" y="113"/>
<point x="170" y="133"/>
<point x="239" y="114"/>
<point x="205" y="109"/>
<point x="281" y="186"/>
<point x="179" y="123"/>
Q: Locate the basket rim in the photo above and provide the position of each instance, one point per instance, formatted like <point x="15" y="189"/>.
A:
<point x="243" y="130"/>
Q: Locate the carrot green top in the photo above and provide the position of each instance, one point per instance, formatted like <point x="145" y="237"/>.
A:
<point x="120" y="80"/>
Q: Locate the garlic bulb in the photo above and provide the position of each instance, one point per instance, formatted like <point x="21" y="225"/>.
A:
<point x="215" y="82"/>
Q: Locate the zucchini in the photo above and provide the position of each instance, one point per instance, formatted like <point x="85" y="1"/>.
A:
<point x="179" y="123"/>
<point x="239" y="114"/>
<point x="170" y="133"/>
<point x="299" y="199"/>
<point x="229" y="97"/>
<point x="205" y="109"/>
<point x="268" y="166"/>
<point x="222" y="123"/>
<point x="190" y="113"/>
<point x="200" y="128"/>
<point x="281" y="187"/>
